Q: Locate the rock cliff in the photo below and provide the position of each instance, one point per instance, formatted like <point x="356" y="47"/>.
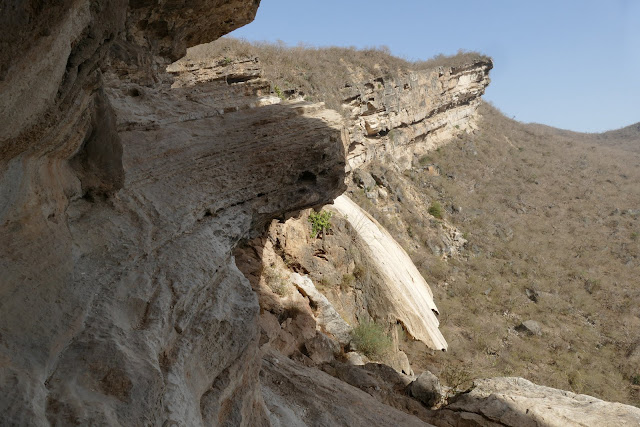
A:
<point x="414" y="112"/>
<point x="125" y="187"/>
<point x="121" y="201"/>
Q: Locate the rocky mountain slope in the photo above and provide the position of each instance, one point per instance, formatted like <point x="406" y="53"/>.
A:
<point x="138" y="285"/>
<point x="550" y="221"/>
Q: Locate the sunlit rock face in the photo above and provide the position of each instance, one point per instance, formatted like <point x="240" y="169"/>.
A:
<point x="120" y="202"/>
<point x="413" y="113"/>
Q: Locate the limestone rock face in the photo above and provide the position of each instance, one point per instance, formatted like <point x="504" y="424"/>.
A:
<point x="327" y="315"/>
<point x="413" y="113"/>
<point x="121" y="199"/>
<point x="518" y="402"/>
<point x="409" y="298"/>
<point x="300" y="396"/>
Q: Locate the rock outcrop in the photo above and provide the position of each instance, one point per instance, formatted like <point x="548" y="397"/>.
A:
<point x="302" y="396"/>
<point x="412" y="113"/>
<point x="518" y="402"/>
<point x="122" y="200"/>
<point x="409" y="298"/>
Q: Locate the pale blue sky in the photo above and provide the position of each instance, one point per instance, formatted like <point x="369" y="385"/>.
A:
<point x="570" y="64"/>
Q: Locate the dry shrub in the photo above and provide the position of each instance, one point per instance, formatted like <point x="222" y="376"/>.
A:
<point x="276" y="281"/>
<point x="320" y="74"/>
<point x="371" y="339"/>
<point x="549" y="210"/>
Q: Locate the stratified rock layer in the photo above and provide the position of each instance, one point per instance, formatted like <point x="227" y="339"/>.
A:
<point x="414" y="112"/>
<point x="122" y="199"/>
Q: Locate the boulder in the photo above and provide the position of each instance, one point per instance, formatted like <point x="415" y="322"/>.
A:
<point x="529" y="327"/>
<point x="322" y="349"/>
<point x="297" y="395"/>
<point x="400" y="362"/>
<point x="426" y="388"/>
<point x="364" y="179"/>
<point x="354" y="358"/>
<point x="518" y="402"/>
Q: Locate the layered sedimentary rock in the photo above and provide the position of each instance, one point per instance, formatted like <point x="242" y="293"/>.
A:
<point x="414" y="112"/>
<point x="122" y="199"/>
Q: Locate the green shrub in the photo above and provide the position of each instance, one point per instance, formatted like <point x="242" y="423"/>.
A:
<point x="459" y="379"/>
<point x="324" y="284"/>
<point x="278" y="92"/>
<point x="360" y="272"/>
<point x="320" y="222"/>
<point x="370" y="339"/>
<point x="436" y="210"/>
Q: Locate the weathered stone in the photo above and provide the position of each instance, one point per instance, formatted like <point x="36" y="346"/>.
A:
<point x="301" y="396"/>
<point x="529" y="327"/>
<point x="354" y="358"/>
<point x="532" y="294"/>
<point x="122" y="199"/>
<point x="364" y="180"/>
<point x="426" y="388"/>
<point x="389" y="375"/>
<point x="381" y="382"/>
<point x="322" y="349"/>
<point x="400" y="362"/>
<point x="518" y="402"/>
<point x="327" y="316"/>
<point x="406" y="294"/>
<point x="413" y="113"/>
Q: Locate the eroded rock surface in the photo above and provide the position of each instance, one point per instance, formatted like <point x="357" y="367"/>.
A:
<point x="518" y="402"/>
<point x="408" y="294"/>
<point x="300" y="396"/>
<point x="412" y="113"/>
<point x="122" y="199"/>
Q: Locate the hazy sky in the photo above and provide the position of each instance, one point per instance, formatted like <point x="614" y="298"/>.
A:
<point x="570" y="64"/>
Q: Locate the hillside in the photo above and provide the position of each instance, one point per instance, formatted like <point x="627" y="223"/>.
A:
<point x="552" y="223"/>
<point x="201" y="241"/>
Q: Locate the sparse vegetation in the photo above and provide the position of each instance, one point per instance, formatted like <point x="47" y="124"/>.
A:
<point x="371" y="339"/>
<point x="278" y="92"/>
<point x="425" y="160"/>
<point x="435" y="209"/>
<point x="347" y="282"/>
<point x="322" y="72"/>
<point x="276" y="281"/>
<point x="456" y="377"/>
<point x="320" y="222"/>
<point x="359" y="272"/>
<point x="557" y="217"/>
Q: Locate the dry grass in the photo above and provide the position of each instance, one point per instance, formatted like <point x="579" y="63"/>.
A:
<point x="552" y="219"/>
<point x="320" y="74"/>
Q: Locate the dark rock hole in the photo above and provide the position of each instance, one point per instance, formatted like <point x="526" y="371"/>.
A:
<point x="307" y="176"/>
